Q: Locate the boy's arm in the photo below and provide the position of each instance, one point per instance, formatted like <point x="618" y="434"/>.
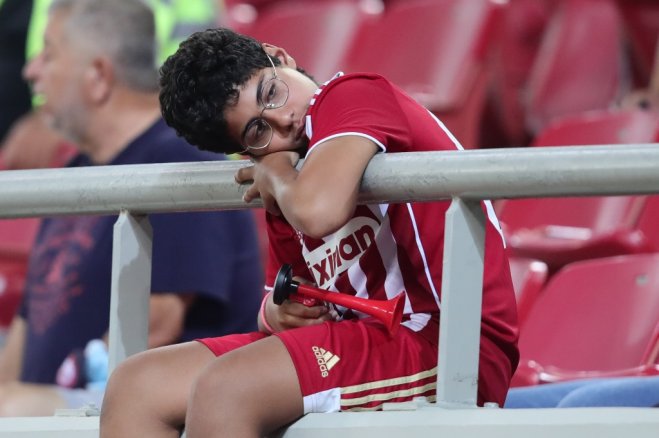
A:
<point x="320" y="197"/>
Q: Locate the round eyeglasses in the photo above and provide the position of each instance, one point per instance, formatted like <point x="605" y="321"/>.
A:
<point x="273" y="94"/>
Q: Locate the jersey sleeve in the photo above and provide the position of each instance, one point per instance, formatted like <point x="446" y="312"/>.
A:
<point x="284" y="248"/>
<point x="362" y="105"/>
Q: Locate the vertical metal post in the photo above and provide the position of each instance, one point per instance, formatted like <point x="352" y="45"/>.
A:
<point x="462" y="291"/>
<point x="131" y="287"/>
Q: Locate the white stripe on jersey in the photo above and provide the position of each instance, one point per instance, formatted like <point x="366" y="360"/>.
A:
<point x="448" y="133"/>
<point x="308" y="129"/>
<point x="393" y="283"/>
<point x="422" y="252"/>
<point x="358" y="281"/>
<point x="382" y="147"/>
<point x="491" y="215"/>
<point x="307" y="126"/>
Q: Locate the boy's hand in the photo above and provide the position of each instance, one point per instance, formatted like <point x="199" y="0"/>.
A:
<point x="267" y="169"/>
<point x="291" y="314"/>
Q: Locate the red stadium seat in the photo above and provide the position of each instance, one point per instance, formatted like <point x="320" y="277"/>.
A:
<point x="436" y="51"/>
<point x="641" y="20"/>
<point x="651" y="355"/>
<point x="523" y="26"/>
<point x="16" y="237"/>
<point x="594" y="318"/>
<point x="12" y="281"/>
<point x="648" y="223"/>
<point x="529" y="277"/>
<point x="563" y="230"/>
<point x="602" y="127"/>
<point x="317" y="34"/>
<point x="580" y="65"/>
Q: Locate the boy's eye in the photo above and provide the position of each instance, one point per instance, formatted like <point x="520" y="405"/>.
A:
<point x="256" y="131"/>
<point x="270" y="93"/>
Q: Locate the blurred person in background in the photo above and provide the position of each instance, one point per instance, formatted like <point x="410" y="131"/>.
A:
<point x="26" y="140"/>
<point x="97" y="74"/>
<point x="639" y="392"/>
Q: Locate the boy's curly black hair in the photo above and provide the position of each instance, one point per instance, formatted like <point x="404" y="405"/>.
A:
<point x="202" y="79"/>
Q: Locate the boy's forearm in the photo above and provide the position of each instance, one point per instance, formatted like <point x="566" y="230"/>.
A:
<point x="322" y="196"/>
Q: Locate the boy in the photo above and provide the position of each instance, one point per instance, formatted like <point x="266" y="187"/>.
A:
<point x="226" y="92"/>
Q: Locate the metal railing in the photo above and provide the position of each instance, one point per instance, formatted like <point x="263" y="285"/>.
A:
<point x="464" y="176"/>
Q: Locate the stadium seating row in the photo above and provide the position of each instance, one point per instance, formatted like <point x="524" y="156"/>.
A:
<point x="597" y="315"/>
<point x="495" y="71"/>
<point x="563" y="230"/>
<point x="595" y="318"/>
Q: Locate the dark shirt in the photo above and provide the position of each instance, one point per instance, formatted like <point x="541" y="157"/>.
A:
<point x="212" y="254"/>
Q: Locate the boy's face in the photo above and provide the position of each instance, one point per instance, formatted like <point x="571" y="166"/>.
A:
<point x="287" y="121"/>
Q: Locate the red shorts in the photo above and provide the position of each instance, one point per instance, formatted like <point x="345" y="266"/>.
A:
<point x="354" y="364"/>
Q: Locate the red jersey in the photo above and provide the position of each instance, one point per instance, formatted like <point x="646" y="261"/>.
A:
<point x="388" y="249"/>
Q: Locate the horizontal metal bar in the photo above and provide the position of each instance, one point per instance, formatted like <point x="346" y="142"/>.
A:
<point x="420" y="176"/>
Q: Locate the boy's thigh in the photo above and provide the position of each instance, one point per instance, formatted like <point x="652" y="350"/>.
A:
<point x="157" y="380"/>
<point x="357" y="365"/>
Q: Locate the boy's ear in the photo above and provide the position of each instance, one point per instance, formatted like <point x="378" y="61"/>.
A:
<point x="281" y="54"/>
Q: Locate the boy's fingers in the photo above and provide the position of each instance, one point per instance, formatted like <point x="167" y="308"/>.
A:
<point x="244" y="174"/>
<point x="298" y="309"/>
<point x="250" y="194"/>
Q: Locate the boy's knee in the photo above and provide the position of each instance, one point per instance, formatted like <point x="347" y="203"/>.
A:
<point x="207" y="386"/>
<point x="130" y="378"/>
<point x="222" y="379"/>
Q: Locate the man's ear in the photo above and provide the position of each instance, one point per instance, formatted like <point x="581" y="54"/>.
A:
<point x="281" y="54"/>
<point x="99" y="79"/>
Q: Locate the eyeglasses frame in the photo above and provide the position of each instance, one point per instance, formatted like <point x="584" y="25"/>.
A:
<point x="266" y="106"/>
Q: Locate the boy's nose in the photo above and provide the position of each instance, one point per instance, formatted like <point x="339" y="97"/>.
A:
<point x="281" y="119"/>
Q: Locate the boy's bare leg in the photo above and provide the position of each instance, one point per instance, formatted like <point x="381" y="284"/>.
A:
<point x="245" y="393"/>
<point x="147" y="394"/>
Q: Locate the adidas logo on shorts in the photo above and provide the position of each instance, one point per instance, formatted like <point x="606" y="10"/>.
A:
<point x="326" y="360"/>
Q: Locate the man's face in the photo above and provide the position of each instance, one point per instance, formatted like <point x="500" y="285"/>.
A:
<point x="287" y="121"/>
<point x="57" y="74"/>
